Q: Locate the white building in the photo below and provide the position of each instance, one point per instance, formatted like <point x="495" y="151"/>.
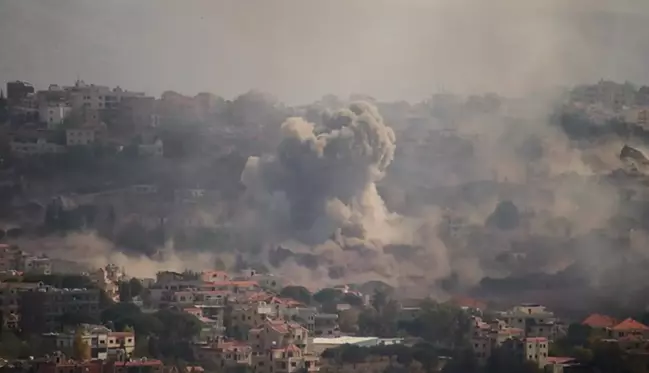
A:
<point x="96" y="97"/>
<point x="102" y="341"/>
<point x="35" y="147"/>
<point x="319" y="345"/>
<point x="53" y="114"/>
<point x="80" y="136"/>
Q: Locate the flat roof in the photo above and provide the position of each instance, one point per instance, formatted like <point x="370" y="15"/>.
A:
<point x="343" y="340"/>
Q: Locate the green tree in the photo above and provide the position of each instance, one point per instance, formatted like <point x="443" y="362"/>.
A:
<point x="130" y="289"/>
<point x="298" y="293"/>
<point x="327" y="296"/>
<point x="441" y="324"/>
<point x="10" y="345"/>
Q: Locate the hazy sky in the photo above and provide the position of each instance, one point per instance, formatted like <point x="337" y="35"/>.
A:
<point x="302" y="49"/>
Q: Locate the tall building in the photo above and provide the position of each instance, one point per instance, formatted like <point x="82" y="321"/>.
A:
<point x="18" y="90"/>
<point x="43" y="308"/>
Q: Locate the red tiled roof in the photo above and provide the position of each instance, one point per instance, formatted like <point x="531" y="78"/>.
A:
<point x="597" y="320"/>
<point x="560" y="359"/>
<point x="630" y="324"/>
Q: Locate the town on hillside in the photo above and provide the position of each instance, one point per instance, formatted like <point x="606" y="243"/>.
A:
<point x="129" y="173"/>
<point x="106" y="320"/>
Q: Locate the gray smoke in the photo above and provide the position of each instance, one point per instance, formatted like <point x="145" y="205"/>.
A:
<point x="322" y="179"/>
<point x="317" y="199"/>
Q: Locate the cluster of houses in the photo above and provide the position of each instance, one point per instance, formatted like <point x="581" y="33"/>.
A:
<point x="525" y="332"/>
<point x="86" y="114"/>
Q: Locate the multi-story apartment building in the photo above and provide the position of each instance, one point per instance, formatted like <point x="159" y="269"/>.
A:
<point x="42" y="308"/>
<point x="36" y="264"/>
<point x="280" y="346"/>
<point x="18" y="90"/>
<point x="532" y="349"/>
<point x="243" y="317"/>
<point x="326" y="325"/>
<point x="534" y="319"/>
<point x="58" y="363"/>
<point x="13" y="258"/>
<point x="10" y="257"/>
<point x="224" y="355"/>
<point x="103" y="342"/>
<point x="96" y="97"/>
<point x="10" y="301"/>
<point x="34" y="146"/>
<point x="53" y="113"/>
<point x="81" y="136"/>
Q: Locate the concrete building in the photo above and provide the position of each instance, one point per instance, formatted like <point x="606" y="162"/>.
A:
<point x="26" y="147"/>
<point x="96" y="97"/>
<point x="532" y="318"/>
<point x="326" y="325"/>
<point x="10" y="257"/>
<point x="531" y="349"/>
<point x="11" y="303"/>
<point x="319" y="345"/>
<point x="53" y="114"/>
<point x="280" y="346"/>
<point x="36" y="264"/>
<point x="224" y="355"/>
<point x="18" y="90"/>
<point x="81" y="136"/>
<point x="103" y="342"/>
<point x="58" y="363"/>
<point x="138" y="113"/>
<point x="42" y="308"/>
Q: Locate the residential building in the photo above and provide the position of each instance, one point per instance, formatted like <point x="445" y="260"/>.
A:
<point x="97" y="97"/>
<point x="326" y="325"/>
<point x="280" y="346"/>
<point x="36" y="264"/>
<point x="18" y="90"/>
<point x="10" y="257"/>
<point x="26" y="147"/>
<point x="532" y="349"/>
<point x="628" y="328"/>
<point x="278" y="333"/>
<point x="10" y="301"/>
<point x="243" y="317"/>
<point x="81" y="136"/>
<point x="42" y="308"/>
<point x="58" y="363"/>
<point x="214" y="276"/>
<point x="224" y="354"/>
<point x="600" y="322"/>
<point x="104" y="343"/>
<point x="53" y="113"/>
<point x="534" y="319"/>
<point x="138" y="113"/>
<point x="319" y="345"/>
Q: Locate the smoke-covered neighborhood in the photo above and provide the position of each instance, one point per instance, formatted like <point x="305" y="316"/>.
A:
<point x="303" y="186"/>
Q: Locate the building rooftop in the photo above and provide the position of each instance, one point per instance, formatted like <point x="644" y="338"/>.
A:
<point x="343" y="340"/>
<point x="630" y="324"/>
<point x="597" y="320"/>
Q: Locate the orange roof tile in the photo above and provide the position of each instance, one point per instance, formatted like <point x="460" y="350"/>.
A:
<point x="560" y="359"/>
<point x="597" y="320"/>
<point x="630" y="324"/>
